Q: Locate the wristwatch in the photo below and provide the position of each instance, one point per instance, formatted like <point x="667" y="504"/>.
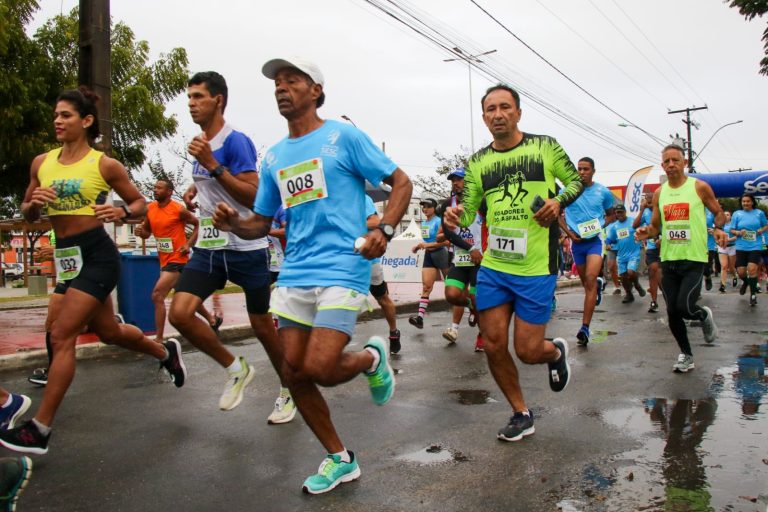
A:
<point x="388" y="231"/>
<point x="218" y="171"/>
<point x="127" y="210"/>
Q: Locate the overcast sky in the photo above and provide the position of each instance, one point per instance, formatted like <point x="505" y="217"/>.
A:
<point x="639" y="59"/>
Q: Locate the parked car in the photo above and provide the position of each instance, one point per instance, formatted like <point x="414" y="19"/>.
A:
<point x="13" y="271"/>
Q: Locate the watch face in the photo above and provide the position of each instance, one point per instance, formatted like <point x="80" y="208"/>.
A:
<point x="388" y="230"/>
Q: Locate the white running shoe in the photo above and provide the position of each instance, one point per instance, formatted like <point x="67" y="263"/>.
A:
<point x="285" y="410"/>
<point x="684" y="364"/>
<point x="708" y="326"/>
<point x="233" y="392"/>
<point x="451" y="335"/>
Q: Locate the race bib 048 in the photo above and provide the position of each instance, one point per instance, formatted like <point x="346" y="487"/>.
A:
<point x="678" y="236"/>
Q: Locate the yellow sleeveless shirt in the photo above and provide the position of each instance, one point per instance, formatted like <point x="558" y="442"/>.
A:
<point x="77" y="185"/>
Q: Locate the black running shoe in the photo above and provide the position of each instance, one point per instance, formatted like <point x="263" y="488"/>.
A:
<point x="560" y="371"/>
<point x="14" y="476"/>
<point x="753" y="300"/>
<point x="735" y="282"/>
<point x="520" y="425"/>
<point x="583" y="336"/>
<point x="39" y="376"/>
<point x="722" y="288"/>
<point x="743" y="288"/>
<point x="628" y="298"/>
<point x="640" y="290"/>
<point x="25" y="439"/>
<point x="417" y="321"/>
<point x="218" y="320"/>
<point x="394" y="341"/>
<point x="174" y="365"/>
<point x="654" y="307"/>
<point x="708" y="283"/>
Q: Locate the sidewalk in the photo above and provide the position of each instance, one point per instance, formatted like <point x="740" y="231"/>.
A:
<point x="22" y="321"/>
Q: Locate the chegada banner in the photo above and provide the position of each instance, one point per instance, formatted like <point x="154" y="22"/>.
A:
<point x="400" y="264"/>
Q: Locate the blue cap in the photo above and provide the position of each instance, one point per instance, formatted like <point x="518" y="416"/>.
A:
<point x="456" y="173"/>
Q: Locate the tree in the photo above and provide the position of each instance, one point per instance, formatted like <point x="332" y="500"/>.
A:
<point x="140" y="89"/>
<point x="27" y="90"/>
<point x="751" y="9"/>
<point x="438" y="187"/>
<point x="158" y="171"/>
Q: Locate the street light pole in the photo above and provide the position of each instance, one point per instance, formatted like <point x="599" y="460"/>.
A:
<point x="712" y="137"/>
<point x="652" y="136"/>
<point x="469" y="59"/>
<point x="347" y="119"/>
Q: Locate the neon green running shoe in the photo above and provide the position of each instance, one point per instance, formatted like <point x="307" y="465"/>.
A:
<point x="382" y="380"/>
<point x="331" y="473"/>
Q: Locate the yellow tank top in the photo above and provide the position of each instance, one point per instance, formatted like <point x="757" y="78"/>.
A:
<point x="77" y="185"/>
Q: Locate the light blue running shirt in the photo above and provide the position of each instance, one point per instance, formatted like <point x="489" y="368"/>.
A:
<point x="647" y="215"/>
<point x="320" y="180"/>
<point x="750" y="221"/>
<point x="429" y="229"/>
<point x="586" y="215"/>
<point x="621" y="236"/>
<point x="711" y="245"/>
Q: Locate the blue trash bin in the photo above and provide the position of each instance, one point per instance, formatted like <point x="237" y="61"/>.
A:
<point x="138" y="276"/>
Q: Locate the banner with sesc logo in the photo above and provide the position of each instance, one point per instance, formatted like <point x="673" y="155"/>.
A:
<point x="400" y="264"/>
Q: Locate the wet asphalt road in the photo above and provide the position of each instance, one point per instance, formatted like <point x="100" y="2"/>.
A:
<point x="627" y="433"/>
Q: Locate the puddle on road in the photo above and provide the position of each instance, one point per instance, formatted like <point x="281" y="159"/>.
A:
<point x="432" y="455"/>
<point x="599" y="335"/>
<point x="697" y="454"/>
<point x="473" y="396"/>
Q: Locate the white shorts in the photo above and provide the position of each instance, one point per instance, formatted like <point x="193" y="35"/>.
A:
<point x="333" y="307"/>
<point x="730" y="251"/>
<point x="377" y="274"/>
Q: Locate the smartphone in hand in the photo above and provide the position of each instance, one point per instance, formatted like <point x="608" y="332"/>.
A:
<point x="537" y="204"/>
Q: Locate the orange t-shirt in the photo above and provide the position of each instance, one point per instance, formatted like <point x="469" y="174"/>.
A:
<point x="168" y="229"/>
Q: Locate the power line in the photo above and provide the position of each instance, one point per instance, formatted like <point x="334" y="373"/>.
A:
<point x="601" y="53"/>
<point x="417" y="24"/>
<point x="556" y="68"/>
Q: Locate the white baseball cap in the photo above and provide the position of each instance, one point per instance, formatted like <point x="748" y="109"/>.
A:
<point x="271" y="68"/>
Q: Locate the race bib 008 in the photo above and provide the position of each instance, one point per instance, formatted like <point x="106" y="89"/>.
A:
<point x="302" y="183"/>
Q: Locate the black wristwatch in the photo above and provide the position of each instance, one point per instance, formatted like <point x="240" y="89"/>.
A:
<point x="388" y="231"/>
<point x="721" y="228"/>
<point x="127" y="210"/>
<point x="218" y="171"/>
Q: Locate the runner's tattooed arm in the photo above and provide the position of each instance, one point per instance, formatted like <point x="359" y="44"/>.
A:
<point x="454" y="238"/>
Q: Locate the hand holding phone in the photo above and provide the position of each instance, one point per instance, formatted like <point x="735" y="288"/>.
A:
<point x="537" y="204"/>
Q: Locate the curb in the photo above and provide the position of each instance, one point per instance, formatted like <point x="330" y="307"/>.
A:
<point x="228" y="335"/>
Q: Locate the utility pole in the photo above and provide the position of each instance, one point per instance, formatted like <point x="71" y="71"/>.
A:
<point x="469" y="59"/>
<point x="688" y="122"/>
<point x="95" y="70"/>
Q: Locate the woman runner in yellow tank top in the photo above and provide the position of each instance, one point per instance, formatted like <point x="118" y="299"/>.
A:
<point x="71" y="184"/>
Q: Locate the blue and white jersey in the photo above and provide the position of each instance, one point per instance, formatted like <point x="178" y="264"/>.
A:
<point x="621" y="236"/>
<point x="235" y="151"/>
<point x="645" y="220"/>
<point x="586" y="215"/>
<point x="429" y="229"/>
<point x="711" y="244"/>
<point x="320" y="180"/>
<point x="750" y="221"/>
